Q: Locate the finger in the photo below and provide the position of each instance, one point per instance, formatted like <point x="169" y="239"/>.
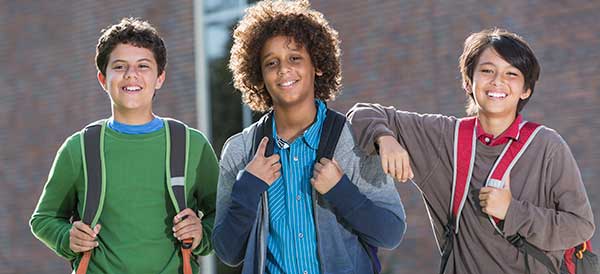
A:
<point x="276" y="167"/>
<point x="262" y="147"/>
<point x="324" y="161"/>
<point x="81" y="236"/>
<point x="507" y="181"/>
<point x="183" y="214"/>
<point x="318" y="167"/>
<point x="406" y="170"/>
<point x="84" y="228"/>
<point x="384" y="164"/>
<point x="399" y="171"/>
<point x="277" y="175"/>
<point x="194" y="235"/>
<point x="486" y="189"/>
<point x="189" y="221"/>
<point x="313" y="181"/>
<point x="273" y="159"/>
<point x="97" y="229"/>
<point x="392" y="168"/>
<point x="79" y="245"/>
<point x="186" y="232"/>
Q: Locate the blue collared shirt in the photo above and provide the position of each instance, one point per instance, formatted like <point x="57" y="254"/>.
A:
<point x="292" y="242"/>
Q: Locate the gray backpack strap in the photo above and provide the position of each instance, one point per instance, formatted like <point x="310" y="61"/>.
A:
<point x="177" y="159"/>
<point x="92" y="144"/>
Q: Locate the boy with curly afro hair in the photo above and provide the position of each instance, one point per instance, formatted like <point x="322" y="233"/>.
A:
<point x="293" y="212"/>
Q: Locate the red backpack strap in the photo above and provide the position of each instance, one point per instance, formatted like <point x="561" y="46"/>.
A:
<point x="464" y="156"/>
<point x="512" y="153"/>
<point x="507" y="159"/>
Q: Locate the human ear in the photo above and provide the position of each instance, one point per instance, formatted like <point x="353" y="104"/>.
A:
<point x="102" y="80"/>
<point x="525" y="94"/>
<point x="160" y="80"/>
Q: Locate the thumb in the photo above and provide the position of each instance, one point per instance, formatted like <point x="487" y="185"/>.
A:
<point x="507" y="181"/>
<point x="260" y="152"/>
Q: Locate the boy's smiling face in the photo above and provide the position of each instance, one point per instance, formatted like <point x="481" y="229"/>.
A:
<point x="131" y="79"/>
<point x="288" y="72"/>
<point x="497" y="86"/>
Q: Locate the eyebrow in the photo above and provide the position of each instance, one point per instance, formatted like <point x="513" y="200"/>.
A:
<point x="487" y="63"/>
<point x="125" y="61"/>
<point x="271" y="53"/>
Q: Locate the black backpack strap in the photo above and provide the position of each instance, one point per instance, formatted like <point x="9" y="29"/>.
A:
<point x="528" y="249"/>
<point x="449" y="232"/>
<point x="177" y="161"/>
<point x="330" y="134"/>
<point x="92" y="139"/>
<point x="264" y="128"/>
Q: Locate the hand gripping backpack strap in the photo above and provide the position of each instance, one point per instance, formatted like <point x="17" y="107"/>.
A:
<point x="463" y="147"/>
<point x="264" y="128"/>
<point x="176" y="163"/>
<point x="92" y="148"/>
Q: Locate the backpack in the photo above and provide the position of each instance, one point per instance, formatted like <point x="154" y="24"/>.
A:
<point x="580" y="260"/>
<point x="92" y="146"/>
<point x="330" y="134"/>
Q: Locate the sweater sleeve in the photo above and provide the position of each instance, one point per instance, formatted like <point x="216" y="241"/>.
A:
<point x="50" y="221"/>
<point x="569" y="222"/>
<point x="206" y="193"/>
<point x="424" y="136"/>
<point x="365" y="199"/>
<point x="238" y="196"/>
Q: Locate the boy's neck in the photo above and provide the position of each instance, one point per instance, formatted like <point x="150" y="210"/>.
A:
<point x="496" y="125"/>
<point x="293" y="121"/>
<point x="133" y="117"/>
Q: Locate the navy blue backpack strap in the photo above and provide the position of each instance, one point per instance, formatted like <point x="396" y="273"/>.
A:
<point x="264" y="128"/>
<point x="330" y="134"/>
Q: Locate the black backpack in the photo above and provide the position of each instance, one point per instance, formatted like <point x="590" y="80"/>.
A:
<point x="330" y="134"/>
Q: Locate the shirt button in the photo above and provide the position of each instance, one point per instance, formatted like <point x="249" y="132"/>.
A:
<point x="487" y="140"/>
<point x="305" y="272"/>
<point x="300" y="235"/>
<point x="296" y="158"/>
<point x="298" y="197"/>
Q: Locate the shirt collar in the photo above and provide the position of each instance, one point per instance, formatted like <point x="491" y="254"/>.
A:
<point x="512" y="132"/>
<point x="312" y="134"/>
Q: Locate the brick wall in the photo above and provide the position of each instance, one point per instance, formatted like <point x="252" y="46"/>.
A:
<point x="401" y="53"/>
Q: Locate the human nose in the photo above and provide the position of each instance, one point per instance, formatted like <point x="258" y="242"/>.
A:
<point x="497" y="79"/>
<point x="283" y="69"/>
<point x="131" y="72"/>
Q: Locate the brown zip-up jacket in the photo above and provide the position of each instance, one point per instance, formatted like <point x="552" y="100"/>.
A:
<point x="550" y="207"/>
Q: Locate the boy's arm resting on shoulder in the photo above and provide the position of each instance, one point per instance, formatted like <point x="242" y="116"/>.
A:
<point x="50" y="222"/>
<point x="422" y="138"/>
<point x="238" y="198"/>
<point x="207" y="177"/>
<point x="369" y="122"/>
<point x="367" y="200"/>
<point x="570" y="223"/>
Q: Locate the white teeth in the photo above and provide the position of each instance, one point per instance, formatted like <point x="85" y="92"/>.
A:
<point x="496" y="94"/>
<point x="287" y="84"/>
<point x="132" y="88"/>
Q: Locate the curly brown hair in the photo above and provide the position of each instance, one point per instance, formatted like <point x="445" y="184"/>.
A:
<point x="133" y="31"/>
<point x="295" y="19"/>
